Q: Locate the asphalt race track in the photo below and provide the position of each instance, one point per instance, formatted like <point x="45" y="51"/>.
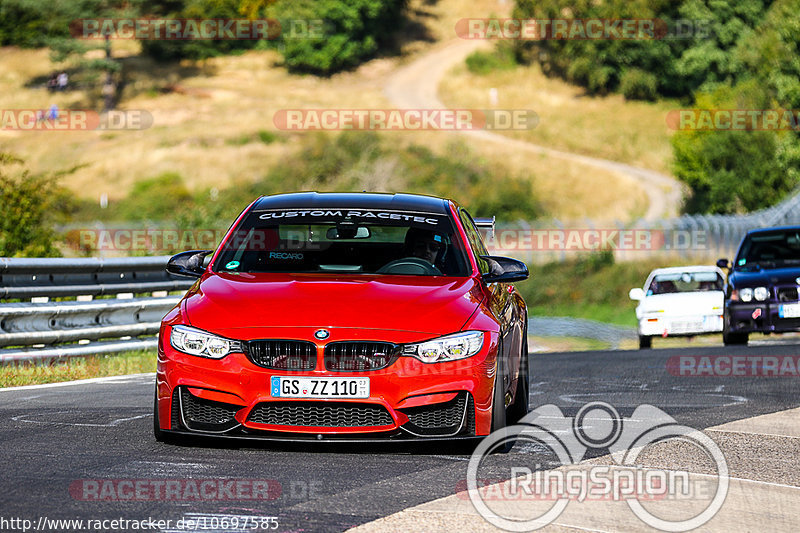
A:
<point x="55" y="437"/>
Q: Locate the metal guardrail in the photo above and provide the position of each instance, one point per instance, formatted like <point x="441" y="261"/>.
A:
<point x="28" y="278"/>
<point x="38" y="330"/>
<point x="579" y="327"/>
<point x="721" y="234"/>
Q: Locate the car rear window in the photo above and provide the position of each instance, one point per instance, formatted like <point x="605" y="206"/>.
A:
<point x="685" y="282"/>
<point x="353" y="241"/>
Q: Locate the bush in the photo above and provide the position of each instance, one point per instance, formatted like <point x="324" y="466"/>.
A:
<point x="637" y="84"/>
<point x="483" y="63"/>
<point x="29" y="206"/>
<point x="155" y="198"/>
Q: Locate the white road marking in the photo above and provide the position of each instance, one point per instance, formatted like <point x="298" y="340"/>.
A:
<point x="118" y="379"/>
<point x="753" y="433"/>
<point x="116" y="422"/>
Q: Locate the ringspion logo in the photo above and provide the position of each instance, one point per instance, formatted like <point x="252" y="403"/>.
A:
<point x="596" y="426"/>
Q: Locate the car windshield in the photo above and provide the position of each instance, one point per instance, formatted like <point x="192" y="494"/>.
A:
<point x="769" y="249"/>
<point x="344" y="241"/>
<point x="685" y="282"/>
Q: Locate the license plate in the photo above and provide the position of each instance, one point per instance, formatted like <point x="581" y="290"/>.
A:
<point x="686" y="326"/>
<point x="789" y="310"/>
<point x="303" y="387"/>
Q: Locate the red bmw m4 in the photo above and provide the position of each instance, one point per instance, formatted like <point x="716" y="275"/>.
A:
<point x="347" y="317"/>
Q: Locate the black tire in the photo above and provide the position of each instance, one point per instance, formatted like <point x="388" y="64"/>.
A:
<point x="520" y="407"/>
<point x="735" y="339"/>
<point x="499" y="412"/>
<point x="730" y="338"/>
<point x="645" y="342"/>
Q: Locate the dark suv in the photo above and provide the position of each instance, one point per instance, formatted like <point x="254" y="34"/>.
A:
<point x="762" y="289"/>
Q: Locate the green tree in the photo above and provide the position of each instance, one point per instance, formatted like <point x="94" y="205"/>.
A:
<point x="730" y="172"/>
<point x="353" y="31"/>
<point x="697" y="50"/>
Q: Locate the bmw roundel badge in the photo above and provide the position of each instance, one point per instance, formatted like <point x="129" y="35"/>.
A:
<point x="322" y="334"/>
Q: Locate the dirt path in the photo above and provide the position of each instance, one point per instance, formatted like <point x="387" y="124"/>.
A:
<point x="416" y="86"/>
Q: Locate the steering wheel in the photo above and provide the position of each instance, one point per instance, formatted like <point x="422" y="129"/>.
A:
<point x="409" y="265"/>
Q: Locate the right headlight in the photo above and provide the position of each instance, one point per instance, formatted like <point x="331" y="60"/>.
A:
<point x="760" y="293"/>
<point x="447" y="348"/>
<point x="195" y="341"/>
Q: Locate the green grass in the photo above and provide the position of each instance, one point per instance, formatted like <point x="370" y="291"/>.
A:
<point x="568" y="344"/>
<point x="78" y="368"/>
<point x="621" y="316"/>
<point x="593" y="287"/>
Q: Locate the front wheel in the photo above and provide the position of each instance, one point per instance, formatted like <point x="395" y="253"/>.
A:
<point x="645" y="342"/>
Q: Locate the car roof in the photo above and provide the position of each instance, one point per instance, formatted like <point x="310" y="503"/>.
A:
<point x="678" y="270"/>
<point x="344" y="200"/>
<point x="776" y="228"/>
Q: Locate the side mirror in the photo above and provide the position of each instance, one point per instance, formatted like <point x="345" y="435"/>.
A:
<point x="636" y="294"/>
<point x="188" y="263"/>
<point x="504" y="270"/>
<point x="723" y="263"/>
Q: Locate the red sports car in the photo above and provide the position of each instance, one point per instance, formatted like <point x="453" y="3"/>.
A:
<point x="345" y="317"/>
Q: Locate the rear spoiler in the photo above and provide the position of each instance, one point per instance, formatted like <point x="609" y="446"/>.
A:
<point x="485" y="223"/>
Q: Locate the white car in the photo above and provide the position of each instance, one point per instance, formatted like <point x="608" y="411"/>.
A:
<point x="680" y="301"/>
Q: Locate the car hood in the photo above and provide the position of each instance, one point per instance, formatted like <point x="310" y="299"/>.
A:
<point x="432" y="305"/>
<point x="764" y="277"/>
<point x="681" y="304"/>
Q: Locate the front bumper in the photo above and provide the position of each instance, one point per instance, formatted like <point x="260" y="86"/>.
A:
<point x="758" y="317"/>
<point x="408" y="399"/>
<point x="674" y="326"/>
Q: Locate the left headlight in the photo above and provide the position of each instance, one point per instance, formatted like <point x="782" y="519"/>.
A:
<point x="198" y="342"/>
<point x="447" y="348"/>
